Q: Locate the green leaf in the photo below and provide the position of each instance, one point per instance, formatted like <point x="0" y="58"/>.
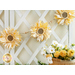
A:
<point x="1" y="64"/>
<point x="46" y="52"/>
<point x="57" y="48"/>
<point x="27" y="64"/>
<point x="63" y="49"/>
<point x="73" y="45"/>
<point x="60" y="58"/>
<point x="17" y="64"/>
<point x="72" y="58"/>
<point x="41" y="63"/>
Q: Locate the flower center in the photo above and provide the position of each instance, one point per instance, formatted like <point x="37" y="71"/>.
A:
<point x="7" y="58"/>
<point x="49" y="59"/>
<point x="44" y="50"/>
<point x="64" y="14"/>
<point x="71" y="52"/>
<point x="10" y="38"/>
<point x="51" y="50"/>
<point x="40" y="31"/>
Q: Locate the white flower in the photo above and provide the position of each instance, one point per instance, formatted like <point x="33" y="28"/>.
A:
<point x="50" y="49"/>
<point x="43" y="51"/>
<point x="73" y="49"/>
<point x="60" y="45"/>
<point x="54" y="43"/>
<point x="49" y="60"/>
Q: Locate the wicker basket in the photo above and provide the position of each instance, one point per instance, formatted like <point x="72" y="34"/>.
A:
<point x="62" y="62"/>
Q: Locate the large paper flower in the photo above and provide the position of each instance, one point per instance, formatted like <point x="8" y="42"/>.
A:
<point x="64" y="17"/>
<point x="10" y="37"/>
<point x="41" y="31"/>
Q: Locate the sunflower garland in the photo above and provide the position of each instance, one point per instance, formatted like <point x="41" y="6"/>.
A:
<point x="41" y="31"/>
<point x="64" y="17"/>
<point x="10" y="38"/>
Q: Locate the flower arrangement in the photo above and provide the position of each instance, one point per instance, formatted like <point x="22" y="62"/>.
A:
<point x="58" y="51"/>
<point x="64" y="17"/>
<point x="10" y="38"/>
<point x="40" y="31"/>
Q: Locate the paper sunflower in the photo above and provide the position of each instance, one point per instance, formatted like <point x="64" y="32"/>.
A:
<point x="41" y="31"/>
<point x="64" y="17"/>
<point x="10" y="38"/>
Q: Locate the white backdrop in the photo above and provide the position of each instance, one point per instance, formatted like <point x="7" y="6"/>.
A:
<point x="29" y="50"/>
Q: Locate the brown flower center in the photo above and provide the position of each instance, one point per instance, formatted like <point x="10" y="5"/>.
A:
<point x="51" y="50"/>
<point x="40" y="31"/>
<point x="71" y="52"/>
<point x="64" y="14"/>
<point x="10" y="38"/>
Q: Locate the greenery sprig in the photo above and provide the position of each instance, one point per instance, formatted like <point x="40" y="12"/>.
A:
<point x="1" y="64"/>
<point x="73" y="45"/>
<point x="41" y="63"/>
<point x="20" y="64"/>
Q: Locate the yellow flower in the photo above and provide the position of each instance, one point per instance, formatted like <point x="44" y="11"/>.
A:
<point x="48" y="55"/>
<point x="10" y="38"/>
<point x="56" y="54"/>
<point x="41" y="31"/>
<point x="70" y="53"/>
<point x="63" y="53"/>
<point x="64" y="16"/>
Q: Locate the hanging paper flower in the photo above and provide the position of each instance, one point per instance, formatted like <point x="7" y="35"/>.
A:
<point x="64" y="16"/>
<point x="10" y="37"/>
<point x="7" y="58"/>
<point x="41" y="31"/>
